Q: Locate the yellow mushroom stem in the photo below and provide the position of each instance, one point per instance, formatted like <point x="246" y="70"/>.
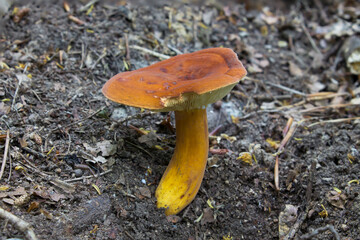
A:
<point x="183" y="176"/>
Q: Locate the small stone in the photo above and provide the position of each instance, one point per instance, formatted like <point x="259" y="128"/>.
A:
<point x="78" y="172"/>
<point x="58" y="170"/>
<point x="282" y="44"/>
<point x="217" y="105"/>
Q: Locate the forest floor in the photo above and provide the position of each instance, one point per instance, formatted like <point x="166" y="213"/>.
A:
<point x="78" y="166"/>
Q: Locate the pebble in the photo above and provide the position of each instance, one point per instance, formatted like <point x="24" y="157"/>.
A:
<point x="78" y="172"/>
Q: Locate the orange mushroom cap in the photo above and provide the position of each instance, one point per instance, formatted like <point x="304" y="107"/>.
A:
<point x="183" y="82"/>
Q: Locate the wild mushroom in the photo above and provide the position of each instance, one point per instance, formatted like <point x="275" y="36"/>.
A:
<point x="185" y="84"/>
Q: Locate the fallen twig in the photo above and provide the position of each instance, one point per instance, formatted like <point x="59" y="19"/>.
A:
<point x="311" y="181"/>
<point x="86" y="177"/>
<point x="128" y="194"/>
<point x="286" y="88"/>
<point x="33" y="152"/>
<point x="140" y="148"/>
<point x="309" y="97"/>
<point x="311" y="40"/>
<point x="16" y="92"/>
<point x="324" y="95"/>
<point x="85" y="7"/>
<point x="128" y="56"/>
<point x="276" y="173"/>
<point x="10" y="167"/>
<point x="287" y="127"/>
<point x="321" y="230"/>
<point x="31" y="165"/>
<point x="288" y="132"/>
<point x="155" y="54"/>
<point x="128" y="234"/>
<point x="7" y="141"/>
<point x="276" y="85"/>
<point x="293" y="230"/>
<point x="177" y="51"/>
<point x="83" y="55"/>
<point x="320" y="6"/>
<point x="67" y="187"/>
<point x="84" y="167"/>
<point x="73" y="97"/>
<point x="53" y="180"/>
<point x="334" y="121"/>
<point x="314" y="109"/>
<point x="260" y="112"/>
<point x="76" y="20"/>
<point x="69" y="144"/>
<point x="262" y="97"/>
<point x="19" y="224"/>
<point x="99" y="59"/>
<point x="37" y="96"/>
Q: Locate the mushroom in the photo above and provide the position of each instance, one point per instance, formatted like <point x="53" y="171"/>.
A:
<point x="185" y="84"/>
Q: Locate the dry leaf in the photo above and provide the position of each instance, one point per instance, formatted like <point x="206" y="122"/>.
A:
<point x="4" y="109"/>
<point x="173" y="218"/>
<point x="287" y="218"/>
<point x="36" y="138"/>
<point x="16" y="192"/>
<point x="47" y="214"/>
<point x="41" y="193"/>
<point x="145" y="191"/>
<point x="336" y="199"/>
<point x="49" y="194"/>
<point x="149" y="139"/>
<point x="100" y="159"/>
<point x="20" y="14"/>
<point x="295" y="70"/>
<point x="23" y="142"/>
<point x="208" y="216"/>
<point x="208" y="16"/>
<point x="269" y="17"/>
<point x="106" y="148"/>
<point x="33" y="205"/>
<point x="4" y="187"/>
<point x="8" y="201"/>
<point x="92" y="150"/>
<point x="253" y="68"/>
<point x="23" y="77"/>
<point x="56" y="196"/>
<point x="212" y="162"/>
<point x="314" y="84"/>
<point x="22" y="200"/>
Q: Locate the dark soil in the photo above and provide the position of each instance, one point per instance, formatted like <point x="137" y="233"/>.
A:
<point x="62" y="127"/>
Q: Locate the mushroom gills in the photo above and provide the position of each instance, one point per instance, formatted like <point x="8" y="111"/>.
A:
<point x="183" y="176"/>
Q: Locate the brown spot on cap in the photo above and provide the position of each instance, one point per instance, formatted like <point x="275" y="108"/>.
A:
<point x="164" y="70"/>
